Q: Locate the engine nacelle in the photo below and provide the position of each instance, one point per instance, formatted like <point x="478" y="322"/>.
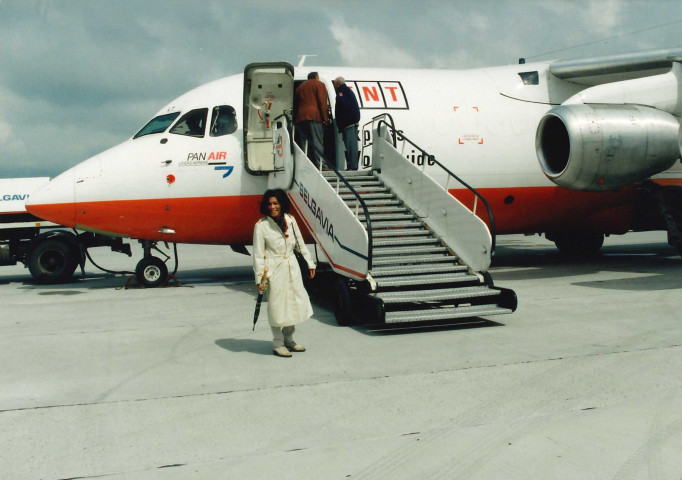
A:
<point x="604" y="147"/>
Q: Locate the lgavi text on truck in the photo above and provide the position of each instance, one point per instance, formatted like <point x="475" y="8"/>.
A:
<point x="51" y="252"/>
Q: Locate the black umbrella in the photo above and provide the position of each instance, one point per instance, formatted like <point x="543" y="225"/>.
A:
<point x="261" y="292"/>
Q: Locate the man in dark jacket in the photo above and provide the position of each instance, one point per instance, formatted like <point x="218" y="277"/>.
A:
<point x="347" y="115"/>
<point x="311" y="111"/>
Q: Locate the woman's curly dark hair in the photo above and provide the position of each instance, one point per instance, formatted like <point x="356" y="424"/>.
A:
<point x="281" y="197"/>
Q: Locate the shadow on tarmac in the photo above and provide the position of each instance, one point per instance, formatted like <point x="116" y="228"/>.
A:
<point x="380" y="330"/>
<point x="656" y="266"/>
<point x="227" y="276"/>
<point x="246" y="345"/>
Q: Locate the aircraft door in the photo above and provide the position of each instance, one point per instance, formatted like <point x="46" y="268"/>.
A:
<point x="268" y="93"/>
<point x="283" y="176"/>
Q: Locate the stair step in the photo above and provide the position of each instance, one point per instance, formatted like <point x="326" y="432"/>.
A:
<point x="364" y="181"/>
<point x="437" y="295"/>
<point x="413" y="260"/>
<point x="385" y="209"/>
<point x="399" y="241"/>
<point x="379" y="188"/>
<point x="394" y="270"/>
<point x="445" y="313"/>
<point x="409" y="250"/>
<point x="413" y="230"/>
<point x="360" y="184"/>
<point x="394" y="224"/>
<point x="345" y="196"/>
<point x="383" y="217"/>
<point x="404" y="281"/>
<point x="348" y="174"/>
<point x="379" y="202"/>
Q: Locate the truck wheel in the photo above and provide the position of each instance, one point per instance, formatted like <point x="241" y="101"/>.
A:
<point x="342" y="303"/>
<point x="53" y="261"/>
<point x="151" y="272"/>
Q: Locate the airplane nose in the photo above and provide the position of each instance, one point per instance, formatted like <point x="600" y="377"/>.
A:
<point x="55" y="202"/>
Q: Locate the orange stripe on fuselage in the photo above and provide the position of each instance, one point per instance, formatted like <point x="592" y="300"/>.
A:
<point x="210" y="220"/>
<point x="542" y="209"/>
<point x="230" y="220"/>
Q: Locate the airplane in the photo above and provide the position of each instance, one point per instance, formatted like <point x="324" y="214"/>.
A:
<point x="573" y="149"/>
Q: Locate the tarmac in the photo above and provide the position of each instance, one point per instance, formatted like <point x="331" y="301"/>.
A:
<point x="583" y="381"/>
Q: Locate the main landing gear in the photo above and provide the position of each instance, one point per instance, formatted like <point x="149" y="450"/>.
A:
<point x="577" y="244"/>
<point x="151" y="271"/>
<point x="669" y="206"/>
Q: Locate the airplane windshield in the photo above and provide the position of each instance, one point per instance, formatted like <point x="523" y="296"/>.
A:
<point x="157" y="124"/>
<point x="192" y="123"/>
<point x="223" y="121"/>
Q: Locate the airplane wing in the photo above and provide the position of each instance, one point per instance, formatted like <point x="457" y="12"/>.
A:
<point x="614" y="68"/>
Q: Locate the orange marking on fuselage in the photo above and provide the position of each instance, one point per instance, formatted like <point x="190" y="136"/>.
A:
<point x="230" y="219"/>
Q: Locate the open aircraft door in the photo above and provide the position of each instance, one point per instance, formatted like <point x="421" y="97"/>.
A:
<point x="268" y="94"/>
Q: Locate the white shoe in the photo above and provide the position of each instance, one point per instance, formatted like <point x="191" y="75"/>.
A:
<point x="295" y="347"/>
<point x="282" y="352"/>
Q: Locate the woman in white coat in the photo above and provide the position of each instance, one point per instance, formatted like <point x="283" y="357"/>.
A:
<point x="274" y="239"/>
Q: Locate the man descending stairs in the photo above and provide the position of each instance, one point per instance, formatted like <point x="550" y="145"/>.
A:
<point x="417" y="277"/>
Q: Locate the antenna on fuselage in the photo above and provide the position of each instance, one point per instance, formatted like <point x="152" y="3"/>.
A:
<point x="302" y="58"/>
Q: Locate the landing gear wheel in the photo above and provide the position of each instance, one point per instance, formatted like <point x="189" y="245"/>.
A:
<point x="53" y="261"/>
<point x="151" y="272"/>
<point x="342" y="303"/>
<point x="579" y="245"/>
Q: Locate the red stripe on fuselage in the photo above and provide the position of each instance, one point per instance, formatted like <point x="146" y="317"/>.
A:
<point x="230" y="220"/>
<point x="542" y="209"/>
<point x="210" y="220"/>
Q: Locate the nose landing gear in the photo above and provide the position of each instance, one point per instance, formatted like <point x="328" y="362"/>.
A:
<point x="151" y="271"/>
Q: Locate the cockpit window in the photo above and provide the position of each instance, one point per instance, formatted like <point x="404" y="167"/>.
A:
<point x="223" y="121"/>
<point x="192" y="123"/>
<point x="157" y="124"/>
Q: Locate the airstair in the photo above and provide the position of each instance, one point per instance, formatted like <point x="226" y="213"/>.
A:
<point x="418" y="277"/>
<point x="398" y="247"/>
<point x="401" y="249"/>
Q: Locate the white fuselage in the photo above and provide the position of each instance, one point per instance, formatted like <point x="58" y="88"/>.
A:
<point x="480" y="123"/>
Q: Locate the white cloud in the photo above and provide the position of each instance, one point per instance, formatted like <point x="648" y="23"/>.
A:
<point x="604" y="16"/>
<point x="364" y="47"/>
<point x="5" y="132"/>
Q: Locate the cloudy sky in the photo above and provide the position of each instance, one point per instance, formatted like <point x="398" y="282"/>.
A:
<point x="77" y="77"/>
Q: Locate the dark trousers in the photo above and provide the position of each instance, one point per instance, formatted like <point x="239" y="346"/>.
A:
<point x="315" y="133"/>
<point x="350" y="141"/>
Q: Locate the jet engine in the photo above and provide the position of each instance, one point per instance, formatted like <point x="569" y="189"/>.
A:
<point x="604" y="147"/>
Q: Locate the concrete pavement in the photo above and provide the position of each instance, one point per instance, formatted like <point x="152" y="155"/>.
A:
<point x="583" y="381"/>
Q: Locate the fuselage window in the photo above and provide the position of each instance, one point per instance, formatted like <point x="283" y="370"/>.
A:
<point x="192" y="123"/>
<point x="223" y="121"/>
<point x="157" y="124"/>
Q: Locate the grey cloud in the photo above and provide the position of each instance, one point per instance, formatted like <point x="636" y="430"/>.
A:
<point x="77" y="77"/>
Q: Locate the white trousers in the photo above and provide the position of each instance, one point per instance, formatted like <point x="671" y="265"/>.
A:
<point x="282" y="336"/>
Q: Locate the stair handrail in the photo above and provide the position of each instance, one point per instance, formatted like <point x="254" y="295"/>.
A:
<point x="398" y="136"/>
<point x="358" y="199"/>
